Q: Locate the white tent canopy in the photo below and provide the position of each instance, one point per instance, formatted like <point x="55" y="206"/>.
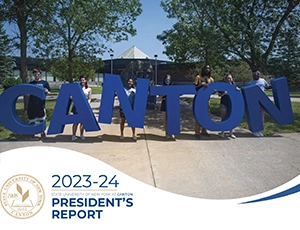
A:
<point x="133" y="53"/>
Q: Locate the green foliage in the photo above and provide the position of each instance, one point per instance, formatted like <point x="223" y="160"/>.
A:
<point x="6" y="62"/>
<point x="138" y="69"/>
<point x="240" y="71"/>
<point x="80" y="29"/>
<point x="24" y="14"/>
<point x="287" y="60"/>
<point x="59" y="68"/>
<point x="215" y="31"/>
<point x="11" y="81"/>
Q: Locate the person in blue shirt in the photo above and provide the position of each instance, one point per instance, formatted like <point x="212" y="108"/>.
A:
<point x="130" y="92"/>
<point x="262" y="84"/>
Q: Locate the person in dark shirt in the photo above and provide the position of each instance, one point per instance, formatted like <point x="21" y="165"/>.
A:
<point x="167" y="82"/>
<point x="203" y="80"/>
<point x="36" y="106"/>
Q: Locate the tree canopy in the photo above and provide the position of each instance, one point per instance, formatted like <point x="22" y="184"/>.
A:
<point x="59" y="68"/>
<point x="6" y="61"/>
<point x="79" y="29"/>
<point x="254" y="31"/>
<point x="24" y="14"/>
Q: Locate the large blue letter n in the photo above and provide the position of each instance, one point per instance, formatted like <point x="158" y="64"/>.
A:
<point x="135" y="117"/>
<point x="255" y="98"/>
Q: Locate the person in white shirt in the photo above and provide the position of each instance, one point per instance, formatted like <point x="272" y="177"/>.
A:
<point x="130" y="92"/>
<point x="88" y="94"/>
<point x="262" y="84"/>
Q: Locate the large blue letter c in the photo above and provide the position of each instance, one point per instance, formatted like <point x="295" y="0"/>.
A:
<point x="8" y="114"/>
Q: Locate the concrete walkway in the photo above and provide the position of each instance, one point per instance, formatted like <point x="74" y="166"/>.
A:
<point x="211" y="168"/>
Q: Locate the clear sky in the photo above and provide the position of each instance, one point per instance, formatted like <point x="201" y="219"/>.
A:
<point x="149" y="24"/>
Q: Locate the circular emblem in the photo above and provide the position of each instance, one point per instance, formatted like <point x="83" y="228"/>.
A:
<point x="22" y="196"/>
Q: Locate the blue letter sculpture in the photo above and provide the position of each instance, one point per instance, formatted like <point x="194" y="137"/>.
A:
<point x="136" y="116"/>
<point x="8" y="115"/>
<point x="172" y="103"/>
<point x="255" y="98"/>
<point x="60" y="115"/>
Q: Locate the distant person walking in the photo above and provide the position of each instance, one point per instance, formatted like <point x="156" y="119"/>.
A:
<point x="36" y="106"/>
<point x="203" y="80"/>
<point x="87" y="91"/>
<point x="166" y="82"/>
<point x="262" y="84"/>
<point x="130" y="92"/>
<point x="225" y="103"/>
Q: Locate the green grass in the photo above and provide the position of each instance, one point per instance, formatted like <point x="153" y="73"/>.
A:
<point x="55" y="91"/>
<point x="270" y="126"/>
<point x="8" y="135"/>
<point x="96" y="89"/>
<point x="292" y="93"/>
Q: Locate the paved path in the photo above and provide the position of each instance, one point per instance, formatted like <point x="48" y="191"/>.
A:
<point x="212" y="168"/>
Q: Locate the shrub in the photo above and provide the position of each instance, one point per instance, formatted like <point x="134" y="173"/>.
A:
<point x="11" y="81"/>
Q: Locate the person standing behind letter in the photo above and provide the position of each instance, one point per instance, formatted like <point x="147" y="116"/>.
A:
<point x="225" y="102"/>
<point x="201" y="80"/>
<point x="36" y="106"/>
<point x="130" y="92"/>
<point x="163" y="108"/>
<point x="262" y="84"/>
<point x="88" y="95"/>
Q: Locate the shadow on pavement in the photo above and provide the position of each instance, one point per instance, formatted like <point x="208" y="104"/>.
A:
<point x="67" y="138"/>
<point x="116" y="138"/>
<point x="154" y="137"/>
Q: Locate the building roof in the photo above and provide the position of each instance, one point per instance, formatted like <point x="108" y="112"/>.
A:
<point x="133" y="53"/>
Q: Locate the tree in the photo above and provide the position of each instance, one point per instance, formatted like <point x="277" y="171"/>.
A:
<point x="138" y="69"/>
<point x="286" y="62"/>
<point x="24" y="14"/>
<point x="241" y="72"/>
<point x="80" y="28"/>
<point x="59" y="68"/>
<point x="247" y="30"/>
<point x="6" y="61"/>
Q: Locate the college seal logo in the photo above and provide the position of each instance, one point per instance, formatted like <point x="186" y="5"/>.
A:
<point x="22" y="196"/>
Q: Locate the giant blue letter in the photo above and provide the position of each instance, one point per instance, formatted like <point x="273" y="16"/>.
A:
<point x="281" y="112"/>
<point x="235" y="112"/>
<point x="8" y="114"/>
<point x="173" y="103"/>
<point x="60" y="115"/>
<point x="112" y="83"/>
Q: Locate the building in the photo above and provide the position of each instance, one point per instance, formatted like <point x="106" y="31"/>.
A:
<point x="31" y="64"/>
<point x="131" y="63"/>
<point x="136" y="64"/>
